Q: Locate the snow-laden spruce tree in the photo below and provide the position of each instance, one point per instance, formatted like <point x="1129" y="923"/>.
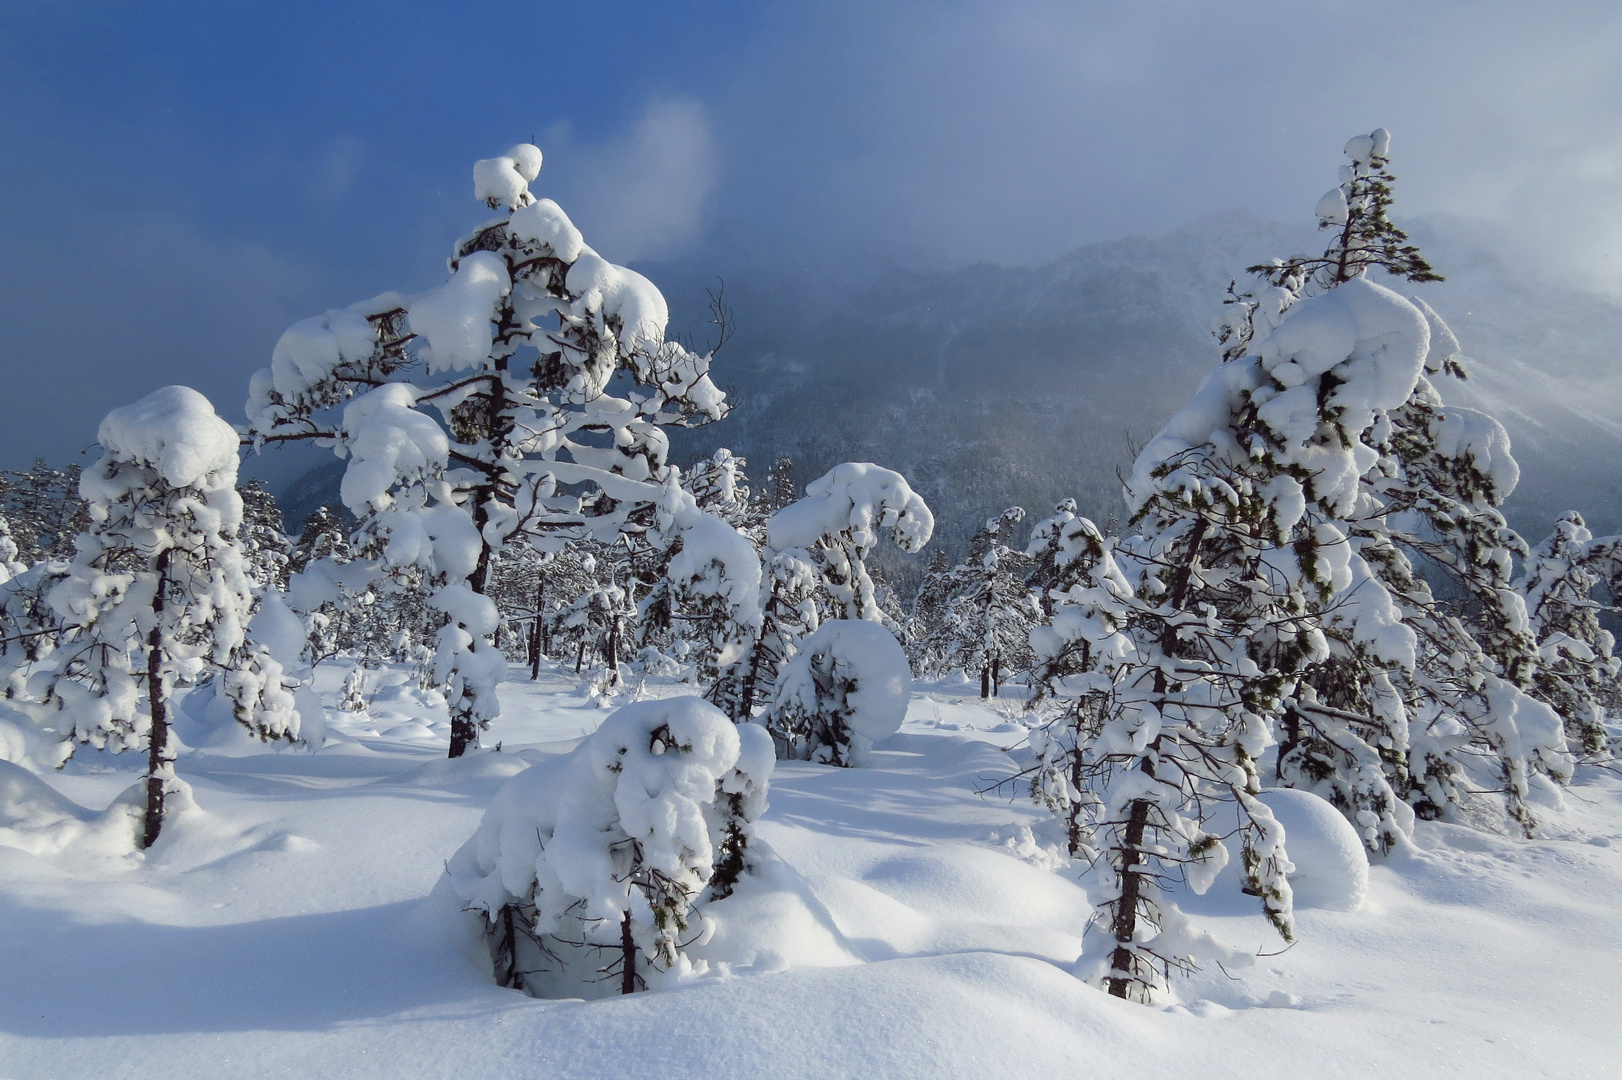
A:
<point x="1246" y="583"/>
<point x="157" y="592"/>
<point x="1578" y="669"/>
<point x="520" y="402"/>
<point x="837" y="524"/>
<point x="1076" y="654"/>
<point x="1404" y="713"/>
<point x="814" y="569"/>
<point x="983" y="615"/>
<point x="266" y="548"/>
<point x="596" y="865"/>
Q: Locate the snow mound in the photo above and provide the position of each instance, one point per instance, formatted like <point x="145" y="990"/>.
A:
<point x="1331" y="867"/>
<point x="176" y="431"/>
<point x="38" y="819"/>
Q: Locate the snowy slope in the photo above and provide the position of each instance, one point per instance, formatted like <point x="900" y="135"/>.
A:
<point x="298" y="925"/>
<point x="995" y="385"/>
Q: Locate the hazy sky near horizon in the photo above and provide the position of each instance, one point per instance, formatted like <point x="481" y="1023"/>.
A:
<point x="182" y="181"/>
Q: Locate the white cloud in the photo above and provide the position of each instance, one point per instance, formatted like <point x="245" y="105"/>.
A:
<point x="642" y="193"/>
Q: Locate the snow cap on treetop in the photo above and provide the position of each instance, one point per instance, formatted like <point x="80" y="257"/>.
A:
<point x="1365" y="149"/>
<point x="857" y="497"/>
<point x="176" y="431"/>
<point x="504" y="181"/>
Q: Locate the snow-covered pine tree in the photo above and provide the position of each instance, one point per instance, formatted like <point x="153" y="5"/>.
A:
<point x="158" y="592"/>
<point x="352" y="698"/>
<point x="547" y="365"/>
<point x="1076" y="653"/>
<point x="1414" y="689"/>
<point x="928" y="610"/>
<point x="813" y="569"/>
<point x="614" y="848"/>
<point x="711" y="579"/>
<point x="1578" y="669"/>
<point x="45" y="511"/>
<point x="987" y="612"/>
<point x="779" y="490"/>
<point x="1245" y="582"/>
<point x="788" y="614"/>
<point x="267" y="549"/>
<point x="322" y="537"/>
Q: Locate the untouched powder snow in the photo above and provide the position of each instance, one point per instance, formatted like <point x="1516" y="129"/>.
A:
<point x="304" y="926"/>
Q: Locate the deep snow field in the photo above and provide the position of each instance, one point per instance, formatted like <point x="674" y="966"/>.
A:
<point x="899" y="925"/>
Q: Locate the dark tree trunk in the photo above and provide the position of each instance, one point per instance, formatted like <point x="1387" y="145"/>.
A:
<point x="985" y="680"/>
<point x="1125" y="923"/>
<point x="534" y="639"/>
<point x="996" y="676"/>
<point x="627" y="956"/>
<point x="506" y="950"/>
<point x="464" y="734"/>
<point x="158" y="755"/>
<point x="580" y="657"/>
<point x="535" y="633"/>
<point x="1292" y="739"/>
<point x="613" y="651"/>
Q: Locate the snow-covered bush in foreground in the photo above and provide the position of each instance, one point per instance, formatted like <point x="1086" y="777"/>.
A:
<point x="845" y="688"/>
<point x="588" y="862"/>
<point x="158" y="592"/>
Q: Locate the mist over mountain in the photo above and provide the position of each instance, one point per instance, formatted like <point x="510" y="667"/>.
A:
<point x="991" y="386"/>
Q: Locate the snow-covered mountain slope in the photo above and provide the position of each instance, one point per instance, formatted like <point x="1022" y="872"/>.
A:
<point x="901" y="925"/>
<point x="989" y="386"/>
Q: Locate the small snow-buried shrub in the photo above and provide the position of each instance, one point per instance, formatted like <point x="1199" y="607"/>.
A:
<point x="594" y="860"/>
<point x="846" y="688"/>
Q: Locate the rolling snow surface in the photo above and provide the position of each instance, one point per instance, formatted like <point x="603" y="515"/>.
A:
<point x="298" y="923"/>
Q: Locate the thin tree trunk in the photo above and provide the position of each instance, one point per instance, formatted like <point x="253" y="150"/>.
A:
<point x="613" y="650"/>
<point x="1292" y="739"/>
<point x="627" y="956"/>
<point x="985" y="680"/>
<point x="580" y="657"/>
<point x="535" y="633"/>
<point x="996" y="675"/>
<point x="1125" y="923"/>
<point x="506" y="958"/>
<point x="158" y="754"/>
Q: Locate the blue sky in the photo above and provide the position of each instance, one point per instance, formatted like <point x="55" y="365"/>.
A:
<point x="181" y="181"/>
